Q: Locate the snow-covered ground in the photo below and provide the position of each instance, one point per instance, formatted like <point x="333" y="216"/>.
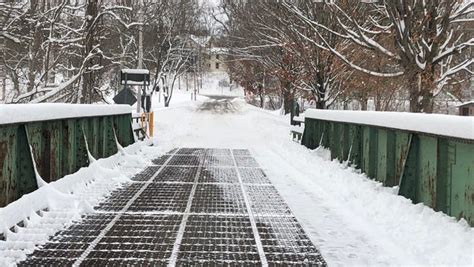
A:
<point x="218" y="83"/>
<point x="352" y="219"/>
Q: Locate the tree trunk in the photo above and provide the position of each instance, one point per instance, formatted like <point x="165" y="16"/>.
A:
<point x="287" y="102"/>
<point x="4" y="89"/>
<point x="272" y="104"/>
<point x="47" y="61"/>
<point x="33" y="47"/>
<point x="345" y="105"/>
<point x="88" y="78"/>
<point x="170" y="92"/>
<point x="320" y="104"/>
<point x="33" y="62"/>
<point x="363" y="103"/>
<point x="140" y="34"/>
<point x="16" y="85"/>
<point x="413" y="91"/>
<point x="377" y="101"/>
<point x="427" y="103"/>
<point x="421" y="87"/>
<point x="414" y="107"/>
<point x="287" y="97"/>
<point x="167" y="97"/>
<point x="428" y="85"/>
<point x="320" y="90"/>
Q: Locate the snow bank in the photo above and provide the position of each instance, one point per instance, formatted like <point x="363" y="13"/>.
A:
<point x="218" y="84"/>
<point x="18" y="113"/>
<point x="64" y="201"/>
<point x="345" y="209"/>
<point x="445" y="125"/>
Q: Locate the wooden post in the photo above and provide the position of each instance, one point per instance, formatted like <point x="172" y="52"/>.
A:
<point x="151" y="121"/>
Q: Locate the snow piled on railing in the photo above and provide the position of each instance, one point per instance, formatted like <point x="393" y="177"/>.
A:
<point x="20" y="113"/>
<point x="437" y="124"/>
<point x="56" y="205"/>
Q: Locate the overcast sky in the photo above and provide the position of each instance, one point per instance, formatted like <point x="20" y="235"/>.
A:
<point x="211" y="3"/>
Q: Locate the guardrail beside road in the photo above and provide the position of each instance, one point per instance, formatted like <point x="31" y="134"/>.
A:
<point x="430" y="157"/>
<point x="57" y="135"/>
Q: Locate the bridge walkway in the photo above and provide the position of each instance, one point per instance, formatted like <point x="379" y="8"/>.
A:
<point x="194" y="206"/>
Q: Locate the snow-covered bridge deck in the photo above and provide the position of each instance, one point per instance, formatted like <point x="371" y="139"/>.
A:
<point x="194" y="206"/>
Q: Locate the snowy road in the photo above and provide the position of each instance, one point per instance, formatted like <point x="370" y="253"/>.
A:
<point x="353" y="220"/>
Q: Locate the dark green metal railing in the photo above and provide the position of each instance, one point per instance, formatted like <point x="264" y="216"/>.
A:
<point x="58" y="148"/>
<point x="431" y="169"/>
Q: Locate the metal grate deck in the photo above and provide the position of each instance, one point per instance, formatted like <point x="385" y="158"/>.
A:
<point x="195" y="206"/>
<point x="219" y="175"/>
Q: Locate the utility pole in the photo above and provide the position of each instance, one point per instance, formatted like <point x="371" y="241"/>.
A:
<point x="3" y="83"/>
<point x="140" y="50"/>
<point x="3" y="73"/>
<point x="263" y="86"/>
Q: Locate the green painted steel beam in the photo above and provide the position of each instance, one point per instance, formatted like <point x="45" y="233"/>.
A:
<point x="427" y="166"/>
<point x="433" y="170"/>
<point x="58" y="147"/>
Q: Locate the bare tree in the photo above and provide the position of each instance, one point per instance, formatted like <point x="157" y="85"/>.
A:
<point x="167" y="31"/>
<point x="266" y="32"/>
<point x="426" y="34"/>
<point x="70" y="51"/>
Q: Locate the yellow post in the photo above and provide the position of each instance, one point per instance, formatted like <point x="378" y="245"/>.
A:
<point x="151" y="123"/>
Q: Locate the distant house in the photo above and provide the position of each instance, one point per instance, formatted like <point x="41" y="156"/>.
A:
<point x="212" y="58"/>
<point x="215" y="59"/>
<point x="200" y="41"/>
<point x="466" y="109"/>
